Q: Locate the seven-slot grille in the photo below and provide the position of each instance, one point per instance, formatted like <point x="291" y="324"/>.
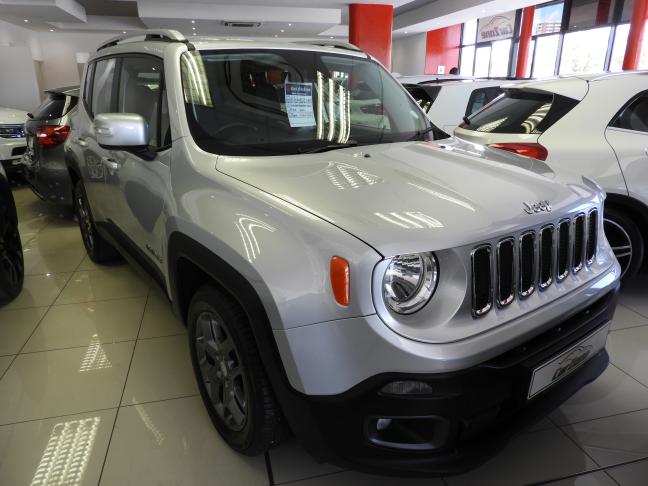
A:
<point x="534" y="260"/>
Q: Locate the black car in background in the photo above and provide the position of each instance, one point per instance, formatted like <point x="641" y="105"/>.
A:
<point x="11" y="255"/>
<point x="44" y="160"/>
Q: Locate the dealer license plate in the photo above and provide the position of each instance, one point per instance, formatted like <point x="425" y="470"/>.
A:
<point x="561" y="366"/>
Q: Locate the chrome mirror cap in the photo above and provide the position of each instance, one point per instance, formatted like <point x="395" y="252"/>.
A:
<point x="121" y="130"/>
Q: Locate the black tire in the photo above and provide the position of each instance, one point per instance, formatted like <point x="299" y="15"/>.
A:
<point x="223" y="349"/>
<point x="626" y="241"/>
<point x="12" y="266"/>
<point x="98" y="249"/>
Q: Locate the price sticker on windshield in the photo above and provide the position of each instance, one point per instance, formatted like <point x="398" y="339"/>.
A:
<point x="299" y="104"/>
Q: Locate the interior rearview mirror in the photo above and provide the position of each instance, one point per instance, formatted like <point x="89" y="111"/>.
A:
<point x="121" y="131"/>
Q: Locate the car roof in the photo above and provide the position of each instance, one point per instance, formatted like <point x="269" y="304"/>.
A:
<point x="68" y="90"/>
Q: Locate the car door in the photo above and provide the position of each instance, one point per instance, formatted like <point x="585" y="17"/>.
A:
<point x="98" y="97"/>
<point x="138" y="184"/>
<point x="628" y="136"/>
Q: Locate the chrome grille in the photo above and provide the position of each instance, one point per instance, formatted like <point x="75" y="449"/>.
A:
<point x="12" y="131"/>
<point x="535" y="259"/>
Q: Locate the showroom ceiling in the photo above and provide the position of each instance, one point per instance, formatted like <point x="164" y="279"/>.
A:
<point x="269" y="18"/>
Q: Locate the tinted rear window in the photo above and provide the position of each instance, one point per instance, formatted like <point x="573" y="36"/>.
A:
<point x="520" y="112"/>
<point x="54" y="106"/>
<point x="424" y="95"/>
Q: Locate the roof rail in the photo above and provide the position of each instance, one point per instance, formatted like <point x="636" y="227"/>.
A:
<point x="164" y="35"/>
<point x="330" y="43"/>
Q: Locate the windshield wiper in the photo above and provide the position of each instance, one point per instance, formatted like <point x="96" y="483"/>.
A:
<point x="466" y="120"/>
<point x="420" y="133"/>
<point x="326" y="148"/>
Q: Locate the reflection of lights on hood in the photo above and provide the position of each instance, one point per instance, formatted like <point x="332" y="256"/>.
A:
<point x="344" y="176"/>
<point x="95" y="357"/>
<point x="410" y="220"/>
<point x="445" y="197"/>
<point x="246" y="226"/>
<point x="67" y="453"/>
<point x="148" y="423"/>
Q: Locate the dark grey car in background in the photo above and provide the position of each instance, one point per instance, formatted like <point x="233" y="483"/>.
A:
<point x="44" y="160"/>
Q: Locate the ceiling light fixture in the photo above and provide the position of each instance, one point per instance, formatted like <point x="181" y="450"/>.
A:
<point x="289" y="25"/>
<point x="193" y="28"/>
<point x="51" y="30"/>
<point x="331" y="37"/>
<point x="193" y="21"/>
<point x="406" y="32"/>
<point x="282" y="31"/>
<point x="26" y="20"/>
<point x="123" y="31"/>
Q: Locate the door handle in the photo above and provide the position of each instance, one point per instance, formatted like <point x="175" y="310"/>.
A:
<point x="110" y="164"/>
<point x="81" y="141"/>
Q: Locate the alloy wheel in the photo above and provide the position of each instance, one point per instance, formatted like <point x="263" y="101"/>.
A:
<point x="221" y="370"/>
<point x="620" y="242"/>
<point x="85" y="223"/>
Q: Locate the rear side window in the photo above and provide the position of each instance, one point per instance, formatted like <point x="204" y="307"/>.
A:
<point x="102" y="86"/>
<point x="634" y="116"/>
<point x="424" y="95"/>
<point x="54" y="106"/>
<point x="520" y="112"/>
<point x="481" y="97"/>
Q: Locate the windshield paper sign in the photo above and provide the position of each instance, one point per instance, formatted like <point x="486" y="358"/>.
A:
<point x="496" y="27"/>
<point x="299" y="104"/>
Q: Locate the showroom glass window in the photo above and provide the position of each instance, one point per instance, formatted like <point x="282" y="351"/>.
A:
<point x="483" y="58"/>
<point x="635" y="116"/>
<point x="141" y="91"/>
<point x="280" y="102"/>
<point x="102" y="86"/>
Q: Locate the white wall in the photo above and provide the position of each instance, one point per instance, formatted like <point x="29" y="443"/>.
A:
<point x="11" y="35"/>
<point x="18" y="85"/>
<point x="408" y="54"/>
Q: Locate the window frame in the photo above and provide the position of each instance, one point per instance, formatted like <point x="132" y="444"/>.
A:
<point x="473" y="95"/>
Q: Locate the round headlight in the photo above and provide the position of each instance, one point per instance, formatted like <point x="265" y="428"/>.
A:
<point x="410" y="281"/>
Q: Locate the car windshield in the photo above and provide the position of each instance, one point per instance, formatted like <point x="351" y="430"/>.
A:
<point x="284" y="101"/>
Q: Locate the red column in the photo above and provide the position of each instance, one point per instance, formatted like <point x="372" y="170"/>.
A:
<point x="525" y="41"/>
<point x="442" y="49"/>
<point x="370" y="28"/>
<point x="635" y="37"/>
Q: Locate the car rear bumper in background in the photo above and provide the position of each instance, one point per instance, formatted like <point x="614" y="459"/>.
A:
<point x="49" y="177"/>
<point x="466" y="416"/>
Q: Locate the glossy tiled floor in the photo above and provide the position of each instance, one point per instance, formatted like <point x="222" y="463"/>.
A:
<point x="96" y="388"/>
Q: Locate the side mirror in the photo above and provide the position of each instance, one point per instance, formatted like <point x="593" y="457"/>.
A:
<point x="121" y="131"/>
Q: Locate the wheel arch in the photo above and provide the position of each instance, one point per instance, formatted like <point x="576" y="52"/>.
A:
<point x="636" y="210"/>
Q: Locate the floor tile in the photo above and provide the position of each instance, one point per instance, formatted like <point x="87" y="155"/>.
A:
<point x="103" y="284"/>
<point x="66" y="450"/>
<point x="70" y="325"/>
<point x="39" y="291"/>
<point x="87" y="264"/>
<point x="159" y="319"/>
<point x="542" y="424"/>
<point x="53" y="239"/>
<point x="349" y="478"/>
<point x="625" y="318"/>
<point x="16" y="326"/>
<point x="593" y="479"/>
<point x="529" y="458"/>
<point x="173" y="442"/>
<point x="5" y="361"/>
<point x="52" y="383"/>
<point x="613" y="439"/>
<point x="161" y="369"/>
<point x="39" y="262"/>
<point x="628" y="350"/>
<point x="29" y="228"/>
<point x="291" y="462"/>
<point x="635" y="474"/>
<point x="612" y="393"/>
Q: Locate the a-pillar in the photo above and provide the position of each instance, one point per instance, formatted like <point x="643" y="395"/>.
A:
<point x="370" y="28"/>
<point x="525" y="42"/>
<point x="635" y="37"/>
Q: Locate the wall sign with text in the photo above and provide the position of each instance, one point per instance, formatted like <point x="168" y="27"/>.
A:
<point x="496" y="27"/>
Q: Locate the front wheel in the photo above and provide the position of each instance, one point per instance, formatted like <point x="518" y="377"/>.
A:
<point x="231" y="378"/>
<point x="98" y="249"/>
<point x="11" y="255"/>
<point x="626" y="241"/>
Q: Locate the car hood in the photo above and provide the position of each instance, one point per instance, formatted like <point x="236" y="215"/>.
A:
<point x="416" y="196"/>
<point x="9" y="116"/>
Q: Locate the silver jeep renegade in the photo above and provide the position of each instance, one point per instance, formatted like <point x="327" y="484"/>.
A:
<point x="401" y="301"/>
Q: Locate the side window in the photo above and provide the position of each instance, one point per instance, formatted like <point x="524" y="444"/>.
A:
<point x="141" y="91"/>
<point x="87" y="86"/>
<point x="102" y="86"/>
<point x="481" y="97"/>
<point x="634" y="116"/>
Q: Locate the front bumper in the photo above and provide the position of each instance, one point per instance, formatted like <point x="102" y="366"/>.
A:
<point x="467" y="418"/>
<point x="11" y="151"/>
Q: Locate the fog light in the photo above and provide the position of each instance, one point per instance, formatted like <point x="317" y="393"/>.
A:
<point x="383" y="423"/>
<point x="406" y="388"/>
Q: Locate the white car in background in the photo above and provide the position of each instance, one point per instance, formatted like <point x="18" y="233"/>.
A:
<point x="12" y="139"/>
<point x="448" y="100"/>
<point x="595" y="125"/>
